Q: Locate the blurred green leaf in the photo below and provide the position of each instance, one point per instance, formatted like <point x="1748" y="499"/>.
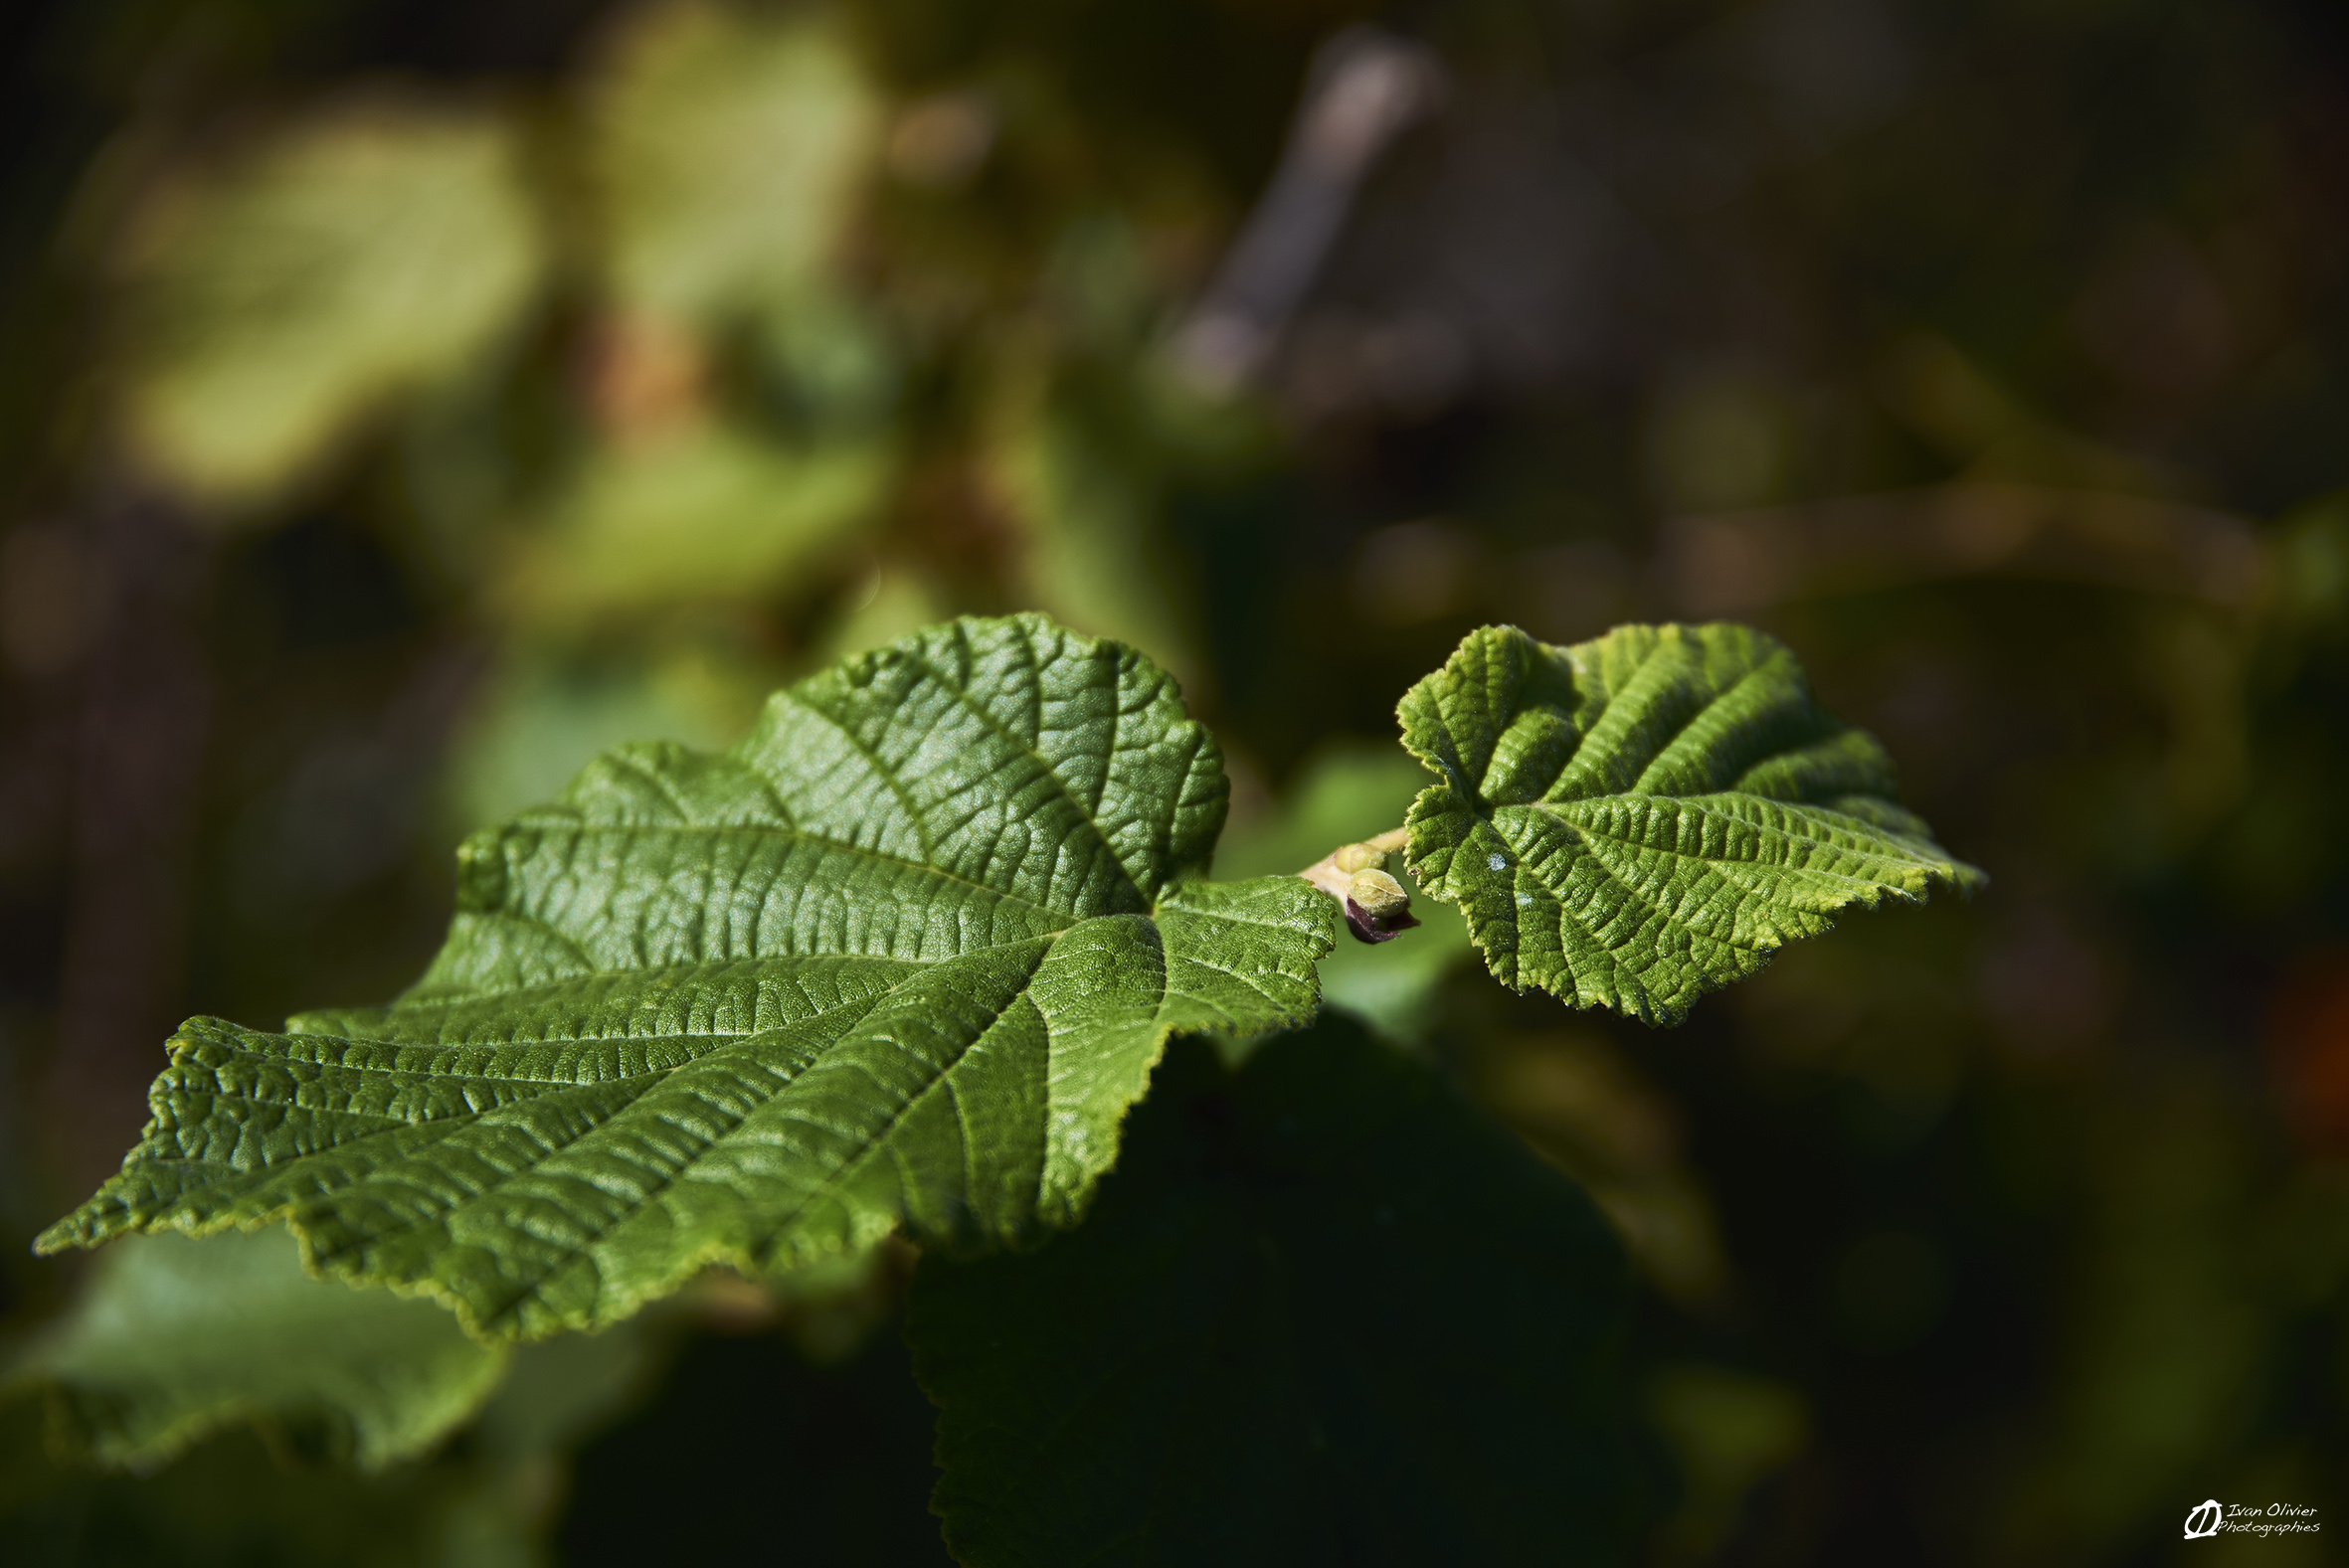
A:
<point x="1633" y="822"/>
<point x="278" y="304"/>
<point x="176" y="1337"/>
<point x="1729" y="1431"/>
<point x="238" y="1501"/>
<point x="730" y="144"/>
<point x="561" y="1390"/>
<point x="704" y="512"/>
<point x="237" y="1498"/>
<point x="1091" y="513"/>
<point x="542" y="716"/>
<point x="905" y="954"/>
<point x="1323" y="1313"/>
<point x="1583" y="1105"/>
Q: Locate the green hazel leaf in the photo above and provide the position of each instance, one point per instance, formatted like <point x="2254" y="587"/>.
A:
<point x="1324" y="1311"/>
<point x="1632" y="822"/>
<point x="176" y="1337"/>
<point x="904" y="955"/>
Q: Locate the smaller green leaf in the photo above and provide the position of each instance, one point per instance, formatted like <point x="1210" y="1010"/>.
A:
<point x="1323" y="1313"/>
<point x="1633" y="822"/>
<point x="176" y="1337"/>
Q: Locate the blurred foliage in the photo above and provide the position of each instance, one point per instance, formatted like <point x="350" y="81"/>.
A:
<point x="406" y="401"/>
<point x="166" y="1344"/>
<point x="270" y="309"/>
<point x="1318" y="1278"/>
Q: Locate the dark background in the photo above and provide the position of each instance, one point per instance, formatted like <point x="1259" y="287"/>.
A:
<point x="1994" y="355"/>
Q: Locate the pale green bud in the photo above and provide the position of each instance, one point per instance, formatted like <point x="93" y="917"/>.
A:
<point x="1380" y="896"/>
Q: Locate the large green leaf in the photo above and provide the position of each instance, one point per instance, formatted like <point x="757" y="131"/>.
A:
<point x="1632" y="822"/>
<point x="903" y="955"/>
<point x="176" y="1337"/>
<point x="1324" y="1312"/>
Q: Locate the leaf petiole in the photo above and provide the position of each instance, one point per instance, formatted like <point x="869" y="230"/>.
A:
<point x="1377" y="907"/>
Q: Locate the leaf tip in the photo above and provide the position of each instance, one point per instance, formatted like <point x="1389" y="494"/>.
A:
<point x="88" y="1226"/>
<point x="59" y="1237"/>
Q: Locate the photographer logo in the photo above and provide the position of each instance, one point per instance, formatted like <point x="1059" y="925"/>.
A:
<point x="2245" y="1518"/>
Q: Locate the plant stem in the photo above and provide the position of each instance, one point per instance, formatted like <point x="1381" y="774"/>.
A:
<point x="1323" y="873"/>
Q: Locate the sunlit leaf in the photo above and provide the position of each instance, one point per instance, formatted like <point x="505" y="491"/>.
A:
<point x="1633" y="822"/>
<point x="1324" y="1312"/>
<point x="903" y="955"/>
<point x="176" y="1337"/>
<point x="280" y="303"/>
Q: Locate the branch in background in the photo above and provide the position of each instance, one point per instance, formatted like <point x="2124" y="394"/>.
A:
<point x="1367" y="86"/>
<point x="146" y="715"/>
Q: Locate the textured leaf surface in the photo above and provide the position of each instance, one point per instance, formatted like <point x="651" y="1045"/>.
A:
<point x="904" y="955"/>
<point x="1632" y="822"/>
<point x="1324" y="1314"/>
<point x="176" y="1337"/>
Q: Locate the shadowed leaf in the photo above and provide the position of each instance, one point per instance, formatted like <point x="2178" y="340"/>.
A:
<point x="176" y="1337"/>
<point x="1324" y="1312"/>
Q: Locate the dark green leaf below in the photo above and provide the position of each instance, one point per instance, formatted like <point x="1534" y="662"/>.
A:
<point x="1323" y="1313"/>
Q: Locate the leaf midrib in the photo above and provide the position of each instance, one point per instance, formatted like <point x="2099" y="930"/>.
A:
<point x="1563" y="810"/>
<point x="585" y="826"/>
<point x="1661" y="960"/>
<point x="833" y="1179"/>
<point x="1488" y="814"/>
<point x="719" y="1041"/>
<point x="454" y="999"/>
